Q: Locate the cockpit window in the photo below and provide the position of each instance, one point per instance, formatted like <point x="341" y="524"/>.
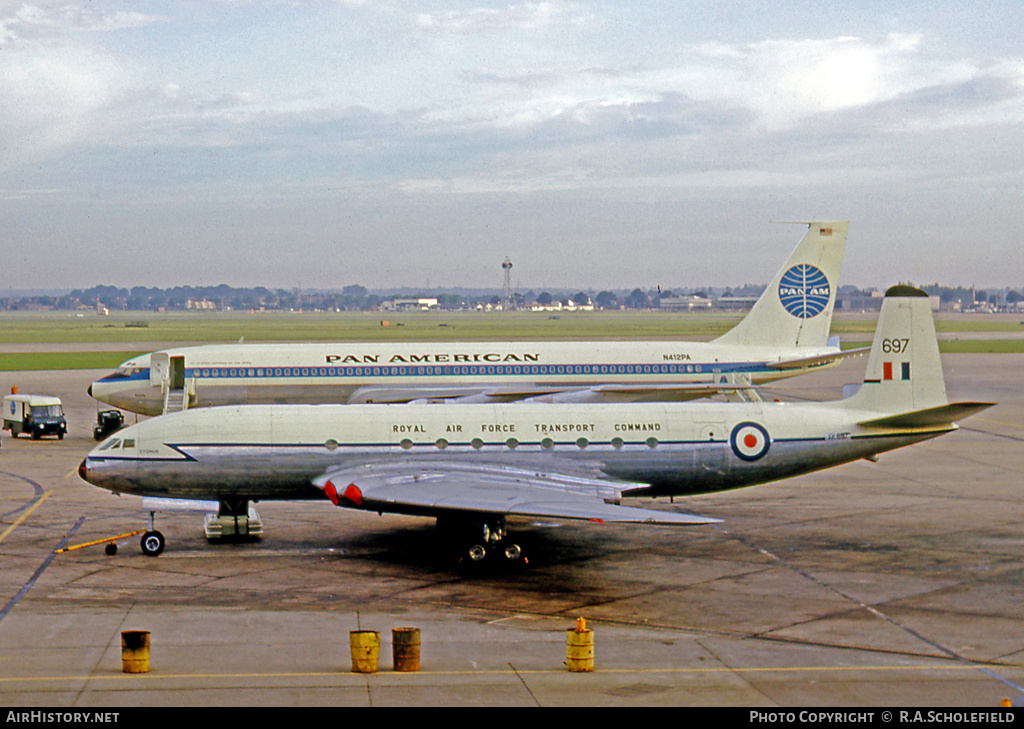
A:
<point x="124" y="372"/>
<point x="111" y="444"/>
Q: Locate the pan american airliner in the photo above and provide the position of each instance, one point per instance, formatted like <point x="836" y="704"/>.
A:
<point x="473" y="466"/>
<point x="786" y="333"/>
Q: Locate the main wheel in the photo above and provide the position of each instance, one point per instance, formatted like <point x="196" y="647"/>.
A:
<point x="152" y="543"/>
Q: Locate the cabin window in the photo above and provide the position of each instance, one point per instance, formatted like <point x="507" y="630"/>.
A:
<point x="617" y="442"/>
<point x="441" y="443"/>
<point x="406" y="443"/>
<point x="512" y="443"/>
<point x="582" y="442"/>
<point x="547" y="443"/>
<point x="477" y="443"/>
<point x="652" y="442"/>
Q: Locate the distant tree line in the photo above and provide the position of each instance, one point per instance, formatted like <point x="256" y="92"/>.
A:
<point x="356" y="297"/>
<point x="142" y="298"/>
<point x="967" y="296"/>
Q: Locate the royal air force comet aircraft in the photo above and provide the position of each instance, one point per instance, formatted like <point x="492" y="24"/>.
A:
<point x="785" y="334"/>
<point x="472" y="466"/>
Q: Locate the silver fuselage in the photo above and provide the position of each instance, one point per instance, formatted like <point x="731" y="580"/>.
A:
<point x="275" y="452"/>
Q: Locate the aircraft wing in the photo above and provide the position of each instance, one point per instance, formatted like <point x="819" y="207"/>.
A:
<point x="436" y="489"/>
<point x="817" y="361"/>
<point x="679" y="391"/>
<point x="395" y="395"/>
<point x="554" y="393"/>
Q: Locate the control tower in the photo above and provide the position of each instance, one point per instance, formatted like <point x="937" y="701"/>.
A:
<point x="509" y="302"/>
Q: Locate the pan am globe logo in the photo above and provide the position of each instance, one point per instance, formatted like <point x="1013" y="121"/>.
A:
<point x="804" y="291"/>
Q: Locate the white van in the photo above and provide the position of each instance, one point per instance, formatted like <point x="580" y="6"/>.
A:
<point x="37" y="415"/>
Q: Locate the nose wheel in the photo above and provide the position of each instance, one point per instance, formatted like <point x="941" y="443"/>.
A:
<point x="153" y="543"/>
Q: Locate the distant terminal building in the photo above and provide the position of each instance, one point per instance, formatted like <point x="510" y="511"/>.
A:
<point x="689" y="303"/>
<point x="409" y="305"/>
<point x="733" y="303"/>
<point x="868" y="301"/>
<point x="200" y="305"/>
<point x="559" y="306"/>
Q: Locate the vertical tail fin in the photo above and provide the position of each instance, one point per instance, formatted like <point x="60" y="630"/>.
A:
<point x="796" y="308"/>
<point x="904" y="372"/>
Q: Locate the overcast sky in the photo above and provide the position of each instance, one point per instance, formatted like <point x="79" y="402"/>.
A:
<point x="597" y="145"/>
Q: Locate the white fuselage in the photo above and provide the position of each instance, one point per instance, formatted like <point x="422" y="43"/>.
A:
<point x="784" y="334"/>
<point x="372" y="373"/>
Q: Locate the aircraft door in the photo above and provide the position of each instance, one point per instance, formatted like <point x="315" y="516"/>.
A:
<point x="176" y="373"/>
<point x="159" y="368"/>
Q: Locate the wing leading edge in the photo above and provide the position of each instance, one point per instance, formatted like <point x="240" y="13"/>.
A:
<point x="433" y="490"/>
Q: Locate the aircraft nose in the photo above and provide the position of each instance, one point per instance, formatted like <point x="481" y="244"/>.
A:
<point x="83" y="470"/>
<point x="89" y="390"/>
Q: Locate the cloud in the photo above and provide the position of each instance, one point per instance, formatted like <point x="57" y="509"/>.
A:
<point x="54" y="85"/>
<point x="523" y="17"/>
<point x="53" y="99"/>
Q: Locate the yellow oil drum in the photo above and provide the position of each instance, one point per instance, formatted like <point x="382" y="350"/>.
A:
<point x="365" y="646"/>
<point x="135" y="651"/>
<point x="405" y="649"/>
<point x="579" y="647"/>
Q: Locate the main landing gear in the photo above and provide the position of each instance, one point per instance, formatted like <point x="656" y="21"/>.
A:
<point x="478" y="541"/>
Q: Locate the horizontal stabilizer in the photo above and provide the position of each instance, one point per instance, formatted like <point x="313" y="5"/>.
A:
<point x="929" y="417"/>
<point x="796" y="364"/>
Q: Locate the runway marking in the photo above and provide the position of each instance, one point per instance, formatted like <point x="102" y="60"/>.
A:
<point x="24" y="516"/>
<point x="878" y="613"/>
<point x="1007" y="436"/>
<point x="37" y="488"/>
<point x="42" y="568"/>
<point x="999" y="422"/>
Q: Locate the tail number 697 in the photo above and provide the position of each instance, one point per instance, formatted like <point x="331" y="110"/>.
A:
<point x="895" y="346"/>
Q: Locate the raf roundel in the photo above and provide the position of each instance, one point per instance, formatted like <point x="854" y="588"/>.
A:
<point x="804" y="291"/>
<point x="749" y="441"/>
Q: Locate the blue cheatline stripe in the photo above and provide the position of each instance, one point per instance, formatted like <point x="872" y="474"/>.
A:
<point x="183" y="448"/>
<point x="404" y="370"/>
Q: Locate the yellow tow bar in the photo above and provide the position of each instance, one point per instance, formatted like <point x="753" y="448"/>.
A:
<point x="109" y="541"/>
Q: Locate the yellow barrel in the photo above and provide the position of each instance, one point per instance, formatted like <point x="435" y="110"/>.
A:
<point x="579" y="647"/>
<point x="365" y="646"/>
<point x="135" y="651"/>
<point x="405" y="649"/>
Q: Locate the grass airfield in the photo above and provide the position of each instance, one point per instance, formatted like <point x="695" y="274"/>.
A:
<point x="59" y="340"/>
